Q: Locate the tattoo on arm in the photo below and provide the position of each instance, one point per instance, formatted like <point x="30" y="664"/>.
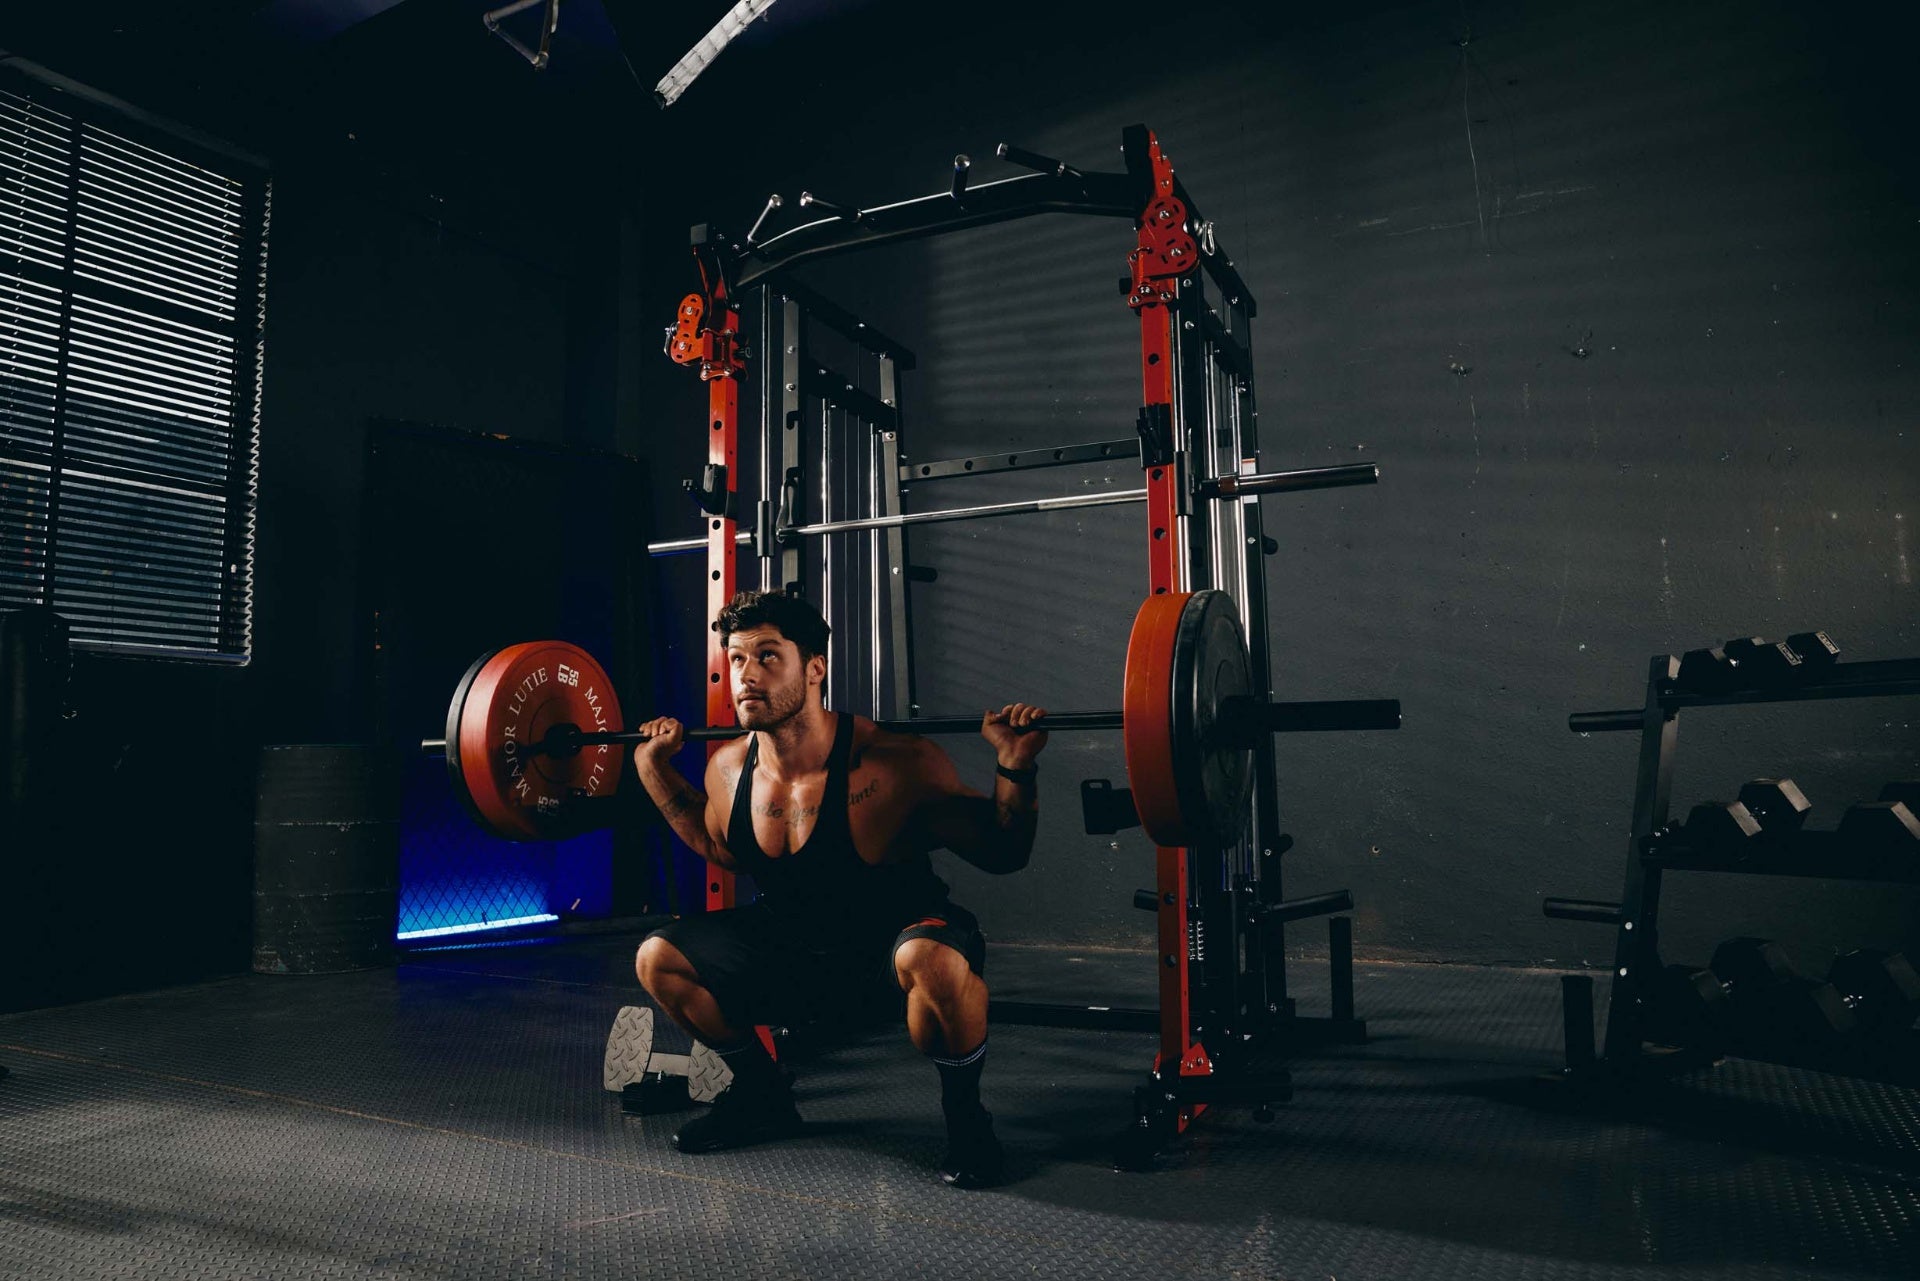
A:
<point x="685" y="801"/>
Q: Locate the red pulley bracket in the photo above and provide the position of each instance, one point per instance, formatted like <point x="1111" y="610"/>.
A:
<point x="720" y="353"/>
<point x="1165" y="248"/>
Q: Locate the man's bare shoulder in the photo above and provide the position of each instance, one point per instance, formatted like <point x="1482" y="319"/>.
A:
<point x="728" y="758"/>
<point x="900" y="755"/>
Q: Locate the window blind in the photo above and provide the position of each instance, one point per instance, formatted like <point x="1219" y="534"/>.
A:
<point x="132" y="314"/>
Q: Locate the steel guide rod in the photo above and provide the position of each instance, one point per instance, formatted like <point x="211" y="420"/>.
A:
<point x="771" y="336"/>
<point x="827" y="598"/>
<point x="1223" y="487"/>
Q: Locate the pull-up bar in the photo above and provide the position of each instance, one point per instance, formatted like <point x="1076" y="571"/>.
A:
<point x="1054" y="187"/>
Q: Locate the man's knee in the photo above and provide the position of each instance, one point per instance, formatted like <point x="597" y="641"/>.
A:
<point x="930" y="968"/>
<point x="659" y="963"/>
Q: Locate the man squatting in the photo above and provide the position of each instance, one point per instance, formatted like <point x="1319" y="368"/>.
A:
<point x="833" y="818"/>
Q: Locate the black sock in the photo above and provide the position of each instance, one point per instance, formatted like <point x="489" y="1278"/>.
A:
<point x="960" y="1083"/>
<point x="753" y="1068"/>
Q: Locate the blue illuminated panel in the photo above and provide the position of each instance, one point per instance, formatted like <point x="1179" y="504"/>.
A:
<point x="442" y="931"/>
<point x="456" y="879"/>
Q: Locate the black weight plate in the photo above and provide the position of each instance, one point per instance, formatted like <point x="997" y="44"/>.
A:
<point x="455" y="774"/>
<point x="1213" y="776"/>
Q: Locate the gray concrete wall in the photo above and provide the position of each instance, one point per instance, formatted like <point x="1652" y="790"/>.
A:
<point x="1622" y="302"/>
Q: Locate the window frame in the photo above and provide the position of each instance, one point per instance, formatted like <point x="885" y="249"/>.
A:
<point x="88" y="109"/>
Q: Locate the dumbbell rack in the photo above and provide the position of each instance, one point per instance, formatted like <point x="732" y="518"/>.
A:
<point x="1629" y="1053"/>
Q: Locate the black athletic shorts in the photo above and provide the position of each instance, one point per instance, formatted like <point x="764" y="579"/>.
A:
<point x="765" y="965"/>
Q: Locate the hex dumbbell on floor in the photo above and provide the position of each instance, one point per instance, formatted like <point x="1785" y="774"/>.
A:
<point x="1882" y="989"/>
<point x="1773" y="1005"/>
<point x="1690" y="1007"/>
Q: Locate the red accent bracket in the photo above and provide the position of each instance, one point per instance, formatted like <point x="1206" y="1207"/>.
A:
<point x="721" y="356"/>
<point x="1164" y="251"/>
<point x="1165" y="247"/>
<point x="720" y="353"/>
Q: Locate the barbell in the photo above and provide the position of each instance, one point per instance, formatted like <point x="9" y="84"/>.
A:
<point x="533" y="729"/>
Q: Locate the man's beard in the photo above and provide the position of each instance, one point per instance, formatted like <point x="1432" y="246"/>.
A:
<point x="778" y="707"/>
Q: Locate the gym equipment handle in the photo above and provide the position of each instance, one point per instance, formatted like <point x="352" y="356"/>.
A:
<point x="1582" y="909"/>
<point x="1352" y="713"/>
<point x="1243" y="721"/>
<point x="1624" y="719"/>
<point x="1034" y="160"/>
<point x="1286" y="482"/>
<point x="1299" y="909"/>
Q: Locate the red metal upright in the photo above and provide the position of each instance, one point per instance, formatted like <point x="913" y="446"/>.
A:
<point x="717" y="349"/>
<point x="1163" y="250"/>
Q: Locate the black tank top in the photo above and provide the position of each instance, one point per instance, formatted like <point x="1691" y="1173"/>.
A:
<point x="827" y="874"/>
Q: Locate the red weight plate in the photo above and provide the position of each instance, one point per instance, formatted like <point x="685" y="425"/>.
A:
<point x="1147" y="705"/>
<point x="514" y="698"/>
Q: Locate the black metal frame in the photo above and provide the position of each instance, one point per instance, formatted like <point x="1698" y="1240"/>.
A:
<point x="1235" y="921"/>
<point x="809" y="414"/>
<point x="1655" y="847"/>
<point x="1097" y="451"/>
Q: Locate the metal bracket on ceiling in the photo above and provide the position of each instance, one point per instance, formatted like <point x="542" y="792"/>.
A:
<point x="549" y="21"/>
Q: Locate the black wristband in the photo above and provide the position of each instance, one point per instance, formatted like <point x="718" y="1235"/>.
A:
<point x="1025" y="777"/>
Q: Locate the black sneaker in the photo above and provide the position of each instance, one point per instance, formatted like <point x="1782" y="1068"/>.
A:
<point x="737" y="1119"/>
<point x="974" y="1158"/>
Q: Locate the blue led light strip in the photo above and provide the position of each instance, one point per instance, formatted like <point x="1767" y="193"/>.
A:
<point x="475" y="926"/>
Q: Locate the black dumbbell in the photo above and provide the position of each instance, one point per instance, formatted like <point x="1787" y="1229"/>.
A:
<point x="1774" y="1006"/>
<point x="1884" y="832"/>
<point x="1727" y="828"/>
<point x="1816" y="650"/>
<point x="1750" y="662"/>
<point x="1768" y="809"/>
<point x="1881" y="988"/>
<point x="1707" y="671"/>
<point x="1777" y="805"/>
<point x="1762" y="663"/>
<point x="1689" y="1007"/>
<point x="1907" y="792"/>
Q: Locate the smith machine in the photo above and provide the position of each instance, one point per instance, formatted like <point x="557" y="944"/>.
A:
<point x="1225" y="1018"/>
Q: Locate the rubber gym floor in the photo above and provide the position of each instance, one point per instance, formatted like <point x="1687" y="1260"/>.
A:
<point x="446" y="1119"/>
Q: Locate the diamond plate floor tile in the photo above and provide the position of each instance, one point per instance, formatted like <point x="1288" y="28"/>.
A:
<point x="447" y="1119"/>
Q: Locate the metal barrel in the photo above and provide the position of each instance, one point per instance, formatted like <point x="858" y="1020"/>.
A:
<point x="326" y="886"/>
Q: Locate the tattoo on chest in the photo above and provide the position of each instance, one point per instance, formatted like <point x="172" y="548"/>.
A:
<point x="793" y="815"/>
<point x="790" y="813"/>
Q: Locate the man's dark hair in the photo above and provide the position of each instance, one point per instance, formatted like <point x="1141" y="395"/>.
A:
<point x="795" y="616"/>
